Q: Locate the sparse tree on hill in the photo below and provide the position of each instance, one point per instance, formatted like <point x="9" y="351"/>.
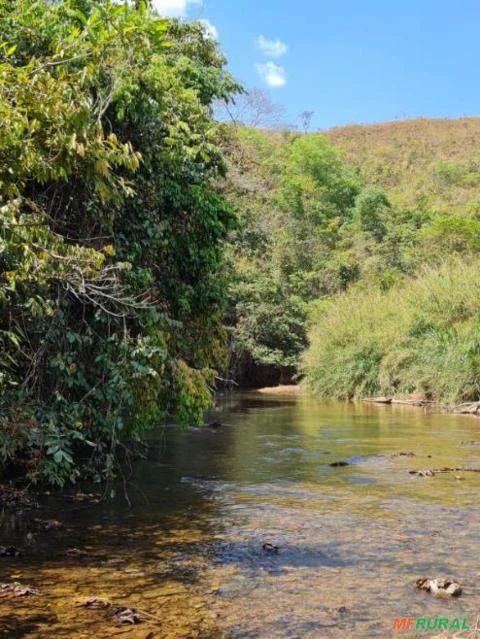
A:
<point x="306" y="120"/>
<point x="253" y="108"/>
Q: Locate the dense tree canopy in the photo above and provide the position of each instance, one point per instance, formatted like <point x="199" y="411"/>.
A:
<point x="306" y="222"/>
<point x="111" y="287"/>
<point x="312" y="227"/>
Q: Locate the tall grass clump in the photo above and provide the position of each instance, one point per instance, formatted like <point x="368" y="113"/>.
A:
<point x="422" y="336"/>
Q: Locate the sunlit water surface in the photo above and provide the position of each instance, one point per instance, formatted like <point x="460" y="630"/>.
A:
<point x="188" y="554"/>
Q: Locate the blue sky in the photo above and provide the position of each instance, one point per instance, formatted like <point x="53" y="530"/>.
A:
<point x="351" y="60"/>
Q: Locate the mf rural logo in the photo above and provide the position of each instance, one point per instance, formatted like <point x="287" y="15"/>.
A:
<point x="426" y="624"/>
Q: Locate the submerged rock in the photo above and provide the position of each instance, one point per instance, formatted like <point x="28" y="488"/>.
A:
<point x="17" y="590"/>
<point x="430" y="472"/>
<point x="115" y="562"/>
<point x="93" y="498"/>
<point x="95" y="603"/>
<point x="339" y="464"/>
<point x="238" y="587"/>
<point x="422" y="473"/>
<point x="48" y="524"/>
<point x="402" y="454"/>
<point x="12" y="498"/>
<point x="76" y="552"/>
<point x="440" y="587"/>
<point x="126" y="615"/>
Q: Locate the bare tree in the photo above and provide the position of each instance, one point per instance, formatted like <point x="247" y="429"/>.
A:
<point x="306" y="119"/>
<point x="253" y="108"/>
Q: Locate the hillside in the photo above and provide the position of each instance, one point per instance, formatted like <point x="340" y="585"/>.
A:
<point x="432" y="163"/>
<point x="420" y="334"/>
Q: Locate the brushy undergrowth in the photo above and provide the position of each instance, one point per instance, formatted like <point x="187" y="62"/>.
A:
<point x="421" y="336"/>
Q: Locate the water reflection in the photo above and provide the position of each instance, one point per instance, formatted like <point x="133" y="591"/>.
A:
<point x="352" y="539"/>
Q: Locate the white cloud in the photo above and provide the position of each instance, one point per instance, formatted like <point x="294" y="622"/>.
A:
<point x="173" y="8"/>
<point x="273" y="74"/>
<point x="210" y="29"/>
<point x="272" y="48"/>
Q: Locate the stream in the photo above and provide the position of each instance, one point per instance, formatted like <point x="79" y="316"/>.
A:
<point x="189" y="553"/>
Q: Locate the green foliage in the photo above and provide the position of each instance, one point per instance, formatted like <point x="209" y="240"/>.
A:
<point x="317" y="182"/>
<point x="270" y="323"/>
<point x="371" y="207"/>
<point x="111" y="287"/>
<point x="316" y="232"/>
<point x="422" y="337"/>
<point x="453" y="233"/>
<point x="308" y="228"/>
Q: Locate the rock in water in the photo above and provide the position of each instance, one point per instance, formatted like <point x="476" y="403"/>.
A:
<point x="126" y="615"/>
<point x="270" y="548"/>
<point x="440" y="587"/>
<point x="48" y="524"/>
<point x="17" y="590"/>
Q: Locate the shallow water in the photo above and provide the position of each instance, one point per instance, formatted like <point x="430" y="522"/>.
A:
<point x="352" y="540"/>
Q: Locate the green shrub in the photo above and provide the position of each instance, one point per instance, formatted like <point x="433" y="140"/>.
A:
<point x="420" y="336"/>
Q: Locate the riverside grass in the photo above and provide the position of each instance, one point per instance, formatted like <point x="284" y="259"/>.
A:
<point x="420" y="337"/>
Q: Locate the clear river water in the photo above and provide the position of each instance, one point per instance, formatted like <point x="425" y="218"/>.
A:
<point x="188" y="554"/>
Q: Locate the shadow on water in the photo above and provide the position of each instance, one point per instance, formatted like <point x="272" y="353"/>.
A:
<point x="352" y="540"/>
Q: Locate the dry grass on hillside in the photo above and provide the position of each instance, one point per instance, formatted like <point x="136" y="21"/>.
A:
<point x="435" y="161"/>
